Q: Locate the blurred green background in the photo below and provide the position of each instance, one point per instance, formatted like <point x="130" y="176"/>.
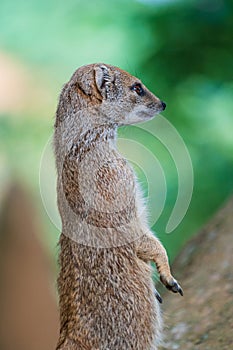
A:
<point x="182" y="50"/>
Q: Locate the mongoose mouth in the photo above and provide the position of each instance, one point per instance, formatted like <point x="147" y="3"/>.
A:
<point x="150" y="114"/>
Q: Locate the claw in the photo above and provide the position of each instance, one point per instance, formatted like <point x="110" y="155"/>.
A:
<point x="158" y="297"/>
<point x="176" y="288"/>
<point x="172" y="284"/>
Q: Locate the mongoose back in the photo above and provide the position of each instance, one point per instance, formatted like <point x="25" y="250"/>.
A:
<point x="107" y="297"/>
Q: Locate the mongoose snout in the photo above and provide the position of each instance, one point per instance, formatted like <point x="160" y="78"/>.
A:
<point x="163" y="105"/>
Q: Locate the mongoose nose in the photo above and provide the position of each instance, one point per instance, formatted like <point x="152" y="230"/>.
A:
<point x="163" y="105"/>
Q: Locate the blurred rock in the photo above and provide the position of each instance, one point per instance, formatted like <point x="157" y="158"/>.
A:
<point x="28" y="310"/>
<point x="203" y="318"/>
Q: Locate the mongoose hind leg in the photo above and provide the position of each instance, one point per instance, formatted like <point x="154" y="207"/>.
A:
<point x="149" y="248"/>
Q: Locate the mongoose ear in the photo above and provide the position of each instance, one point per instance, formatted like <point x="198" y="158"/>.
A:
<point x="102" y="77"/>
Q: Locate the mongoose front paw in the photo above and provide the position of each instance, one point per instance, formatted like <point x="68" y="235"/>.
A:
<point x="171" y="284"/>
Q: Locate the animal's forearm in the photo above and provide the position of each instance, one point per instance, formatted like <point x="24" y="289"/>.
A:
<point x="149" y="248"/>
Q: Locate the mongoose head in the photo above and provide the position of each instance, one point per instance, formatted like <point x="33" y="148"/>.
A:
<point x="110" y="93"/>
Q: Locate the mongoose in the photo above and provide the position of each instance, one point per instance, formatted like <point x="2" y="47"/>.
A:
<point x="107" y="297"/>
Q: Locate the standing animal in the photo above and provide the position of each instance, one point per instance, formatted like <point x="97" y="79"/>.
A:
<point x="107" y="297"/>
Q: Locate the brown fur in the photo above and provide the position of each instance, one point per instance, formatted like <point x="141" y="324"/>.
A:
<point x="107" y="299"/>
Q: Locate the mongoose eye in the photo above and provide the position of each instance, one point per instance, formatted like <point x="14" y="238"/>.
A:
<point x="137" y="87"/>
